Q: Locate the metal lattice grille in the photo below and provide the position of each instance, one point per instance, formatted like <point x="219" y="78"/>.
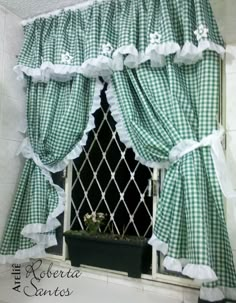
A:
<point x="107" y="178"/>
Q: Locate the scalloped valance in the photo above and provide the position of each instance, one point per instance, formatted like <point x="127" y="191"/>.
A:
<point x="108" y="35"/>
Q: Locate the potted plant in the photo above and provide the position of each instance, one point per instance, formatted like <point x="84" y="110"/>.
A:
<point x="130" y="254"/>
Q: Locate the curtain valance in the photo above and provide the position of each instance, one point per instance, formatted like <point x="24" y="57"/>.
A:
<point x="108" y="35"/>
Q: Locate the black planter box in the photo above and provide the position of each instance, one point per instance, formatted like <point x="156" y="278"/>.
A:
<point x="204" y="301"/>
<point x="132" y="256"/>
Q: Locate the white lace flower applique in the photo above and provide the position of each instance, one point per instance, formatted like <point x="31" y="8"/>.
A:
<point x="66" y="58"/>
<point x="201" y="32"/>
<point x="155" y="38"/>
<point x="107" y="49"/>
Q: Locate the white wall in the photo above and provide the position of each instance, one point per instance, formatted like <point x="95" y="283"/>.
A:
<point x="12" y="100"/>
<point x="230" y="112"/>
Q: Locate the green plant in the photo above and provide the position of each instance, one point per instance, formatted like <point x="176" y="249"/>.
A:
<point x="93" y="222"/>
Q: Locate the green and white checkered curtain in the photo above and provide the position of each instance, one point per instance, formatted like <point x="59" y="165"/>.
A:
<point x="162" y="61"/>
<point x="57" y="116"/>
<point x="158" y="109"/>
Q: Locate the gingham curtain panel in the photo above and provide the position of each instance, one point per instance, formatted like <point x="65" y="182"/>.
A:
<point x="162" y="61"/>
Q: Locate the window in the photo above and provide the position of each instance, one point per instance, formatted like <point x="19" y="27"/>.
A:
<point x="107" y="178"/>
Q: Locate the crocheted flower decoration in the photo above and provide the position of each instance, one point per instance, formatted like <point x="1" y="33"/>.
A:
<point x="201" y="32"/>
<point x="155" y="38"/>
<point x="107" y="49"/>
<point x="66" y="58"/>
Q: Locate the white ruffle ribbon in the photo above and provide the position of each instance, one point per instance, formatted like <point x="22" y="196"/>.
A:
<point x="126" y="55"/>
<point x="214" y="141"/>
<point x="202" y="273"/>
<point x="217" y="294"/>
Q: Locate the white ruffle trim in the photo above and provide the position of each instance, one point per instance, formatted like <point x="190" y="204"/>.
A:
<point x="20" y="70"/>
<point x="158" y="245"/>
<point x="132" y="57"/>
<point x="126" y="55"/>
<point x="217" y="293"/>
<point x="190" y="54"/>
<point x="156" y="53"/>
<point x="202" y="273"/>
<point x="95" y="67"/>
<point x="37" y="251"/>
<point x="172" y="264"/>
<point x="122" y="131"/>
<point x="35" y="231"/>
<point x="47" y="71"/>
<point x="24" y="255"/>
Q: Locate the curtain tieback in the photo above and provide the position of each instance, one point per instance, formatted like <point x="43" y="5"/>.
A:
<point x="27" y="151"/>
<point x="214" y="141"/>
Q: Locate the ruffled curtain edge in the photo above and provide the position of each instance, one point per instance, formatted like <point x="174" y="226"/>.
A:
<point x="129" y="56"/>
<point x="34" y="231"/>
<point x="200" y="273"/>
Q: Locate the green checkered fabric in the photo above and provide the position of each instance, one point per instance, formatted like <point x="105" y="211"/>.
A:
<point x="57" y="114"/>
<point x="118" y="22"/>
<point x="160" y="108"/>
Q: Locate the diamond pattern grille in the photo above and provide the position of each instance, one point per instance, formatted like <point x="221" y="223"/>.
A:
<point x="107" y="178"/>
